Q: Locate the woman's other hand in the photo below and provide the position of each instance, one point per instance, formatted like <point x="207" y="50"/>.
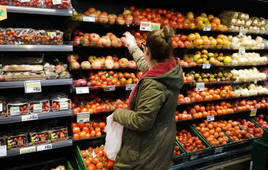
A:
<point x="129" y="39"/>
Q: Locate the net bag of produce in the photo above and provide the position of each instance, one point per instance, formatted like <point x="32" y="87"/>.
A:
<point x="113" y="138"/>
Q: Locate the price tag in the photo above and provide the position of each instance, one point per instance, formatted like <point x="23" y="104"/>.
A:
<point x="145" y="26"/>
<point x="210" y="118"/>
<point x="1" y="107"/>
<point x="52" y="34"/>
<point x="193" y="157"/>
<point x="32" y="87"/>
<point x="89" y="19"/>
<point x="207" y="28"/>
<point x="218" y="150"/>
<point x="206" y="66"/>
<point x="130" y="87"/>
<point x="44" y="147"/>
<point x="155" y="26"/>
<point x="29" y="117"/>
<point x="110" y="88"/>
<point x="27" y="150"/>
<point x="63" y="105"/>
<point x="56" y="2"/>
<point x="14" y="110"/>
<point x="22" y="1"/>
<point x="200" y="86"/>
<point x="83" y="117"/>
<point x="3" y="150"/>
<point x="242" y="50"/>
<point x="253" y="112"/>
<point x="37" y="108"/>
<point x="82" y="90"/>
<point x="3" y="13"/>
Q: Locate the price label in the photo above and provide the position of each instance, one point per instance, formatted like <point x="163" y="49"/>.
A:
<point x="63" y="105"/>
<point x="22" y="1"/>
<point x="14" y="110"/>
<point x="210" y="118"/>
<point x="1" y="107"/>
<point x="44" y="147"/>
<point x="145" y="26"/>
<point x="83" y="117"/>
<point x="206" y="66"/>
<point x="207" y="28"/>
<point x="200" y="86"/>
<point x="110" y="88"/>
<point x="27" y="150"/>
<point x="218" y="150"/>
<point x="193" y="157"/>
<point x="3" y="13"/>
<point x="3" y="150"/>
<point x="56" y="2"/>
<point x="82" y="90"/>
<point x="52" y="34"/>
<point x="32" y="87"/>
<point x="29" y="117"/>
<point x="242" y="50"/>
<point x="130" y="87"/>
<point x="155" y="26"/>
<point x="253" y="112"/>
<point x="89" y="19"/>
<point x="37" y="108"/>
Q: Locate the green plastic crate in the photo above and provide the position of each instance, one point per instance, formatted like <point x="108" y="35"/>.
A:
<point x="259" y="155"/>
<point x="180" y="158"/>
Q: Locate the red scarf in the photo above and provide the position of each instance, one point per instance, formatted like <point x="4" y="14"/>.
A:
<point x="157" y="70"/>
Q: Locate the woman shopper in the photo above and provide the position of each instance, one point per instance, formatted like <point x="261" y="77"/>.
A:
<point x="149" y="123"/>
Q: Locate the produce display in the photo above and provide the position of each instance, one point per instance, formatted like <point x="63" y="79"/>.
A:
<point x="250" y="90"/>
<point x="34" y="72"/>
<point x="26" y="36"/>
<point x="212" y="131"/>
<point x="88" y="130"/>
<point x="238" y="20"/>
<point x="103" y="17"/>
<point x="207" y="94"/>
<point x="233" y="130"/>
<point x="248" y="59"/>
<point x="250" y="128"/>
<point x="36" y="137"/>
<point x="250" y="104"/>
<point x="96" y="104"/>
<point x="62" y="4"/>
<point x="217" y="76"/>
<point x="247" y="41"/>
<point x="103" y="79"/>
<point x="248" y="75"/>
<point x="188" y="141"/>
<point x="108" y="62"/>
<point x="260" y="120"/>
<point x="96" y="158"/>
<point x="95" y="40"/>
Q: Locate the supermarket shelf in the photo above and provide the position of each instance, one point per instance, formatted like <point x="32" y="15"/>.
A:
<point x="41" y="11"/>
<point x="98" y="48"/>
<point x="20" y="84"/>
<point x="246" y="113"/>
<point x="222" y="49"/>
<point x="128" y="87"/>
<point x="211" y="158"/>
<point x="30" y="48"/>
<point x="199" y="66"/>
<point x="55" y="145"/>
<point x="220" y="82"/>
<point x="98" y="113"/>
<point x="222" y="99"/>
<point x="41" y="116"/>
<point x="104" y="69"/>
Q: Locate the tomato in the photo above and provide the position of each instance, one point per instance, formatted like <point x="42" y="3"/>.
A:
<point x="84" y="110"/>
<point x="99" y="165"/>
<point x="111" y="73"/>
<point x="95" y="160"/>
<point x="110" y="164"/>
<point x="76" y="130"/>
<point x="102" y="125"/>
<point x="76" y="136"/>
<point x="82" y="134"/>
<point x="84" y="153"/>
<point x="92" y="133"/>
<point x="86" y="129"/>
<point x="104" y="86"/>
<point x="91" y="167"/>
<point x="103" y="78"/>
<point x="88" y="162"/>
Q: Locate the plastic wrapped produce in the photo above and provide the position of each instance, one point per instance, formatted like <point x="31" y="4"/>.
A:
<point x="39" y="106"/>
<point x="59" y="134"/>
<point x="18" y="107"/>
<point x="57" y="4"/>
<point x="54" y="37"/>
<point x="39" y="137"/>
<point x="17" y="141"/>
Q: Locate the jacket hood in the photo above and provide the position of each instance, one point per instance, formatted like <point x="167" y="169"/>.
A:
<point x="169" y="73"/>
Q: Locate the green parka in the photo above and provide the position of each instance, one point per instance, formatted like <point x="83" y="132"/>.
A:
<point x="149" y="127"/>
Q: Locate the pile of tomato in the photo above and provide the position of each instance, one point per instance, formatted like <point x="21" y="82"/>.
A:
<point x="104" y="78"/>
<point x="96" y="158"/>
<point x="88" y="130"/>
<point x="189" y="142"/>
<point x="97" y="105"/>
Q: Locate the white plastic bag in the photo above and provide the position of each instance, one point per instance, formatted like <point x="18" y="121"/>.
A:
<point x="113" y="140"/>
